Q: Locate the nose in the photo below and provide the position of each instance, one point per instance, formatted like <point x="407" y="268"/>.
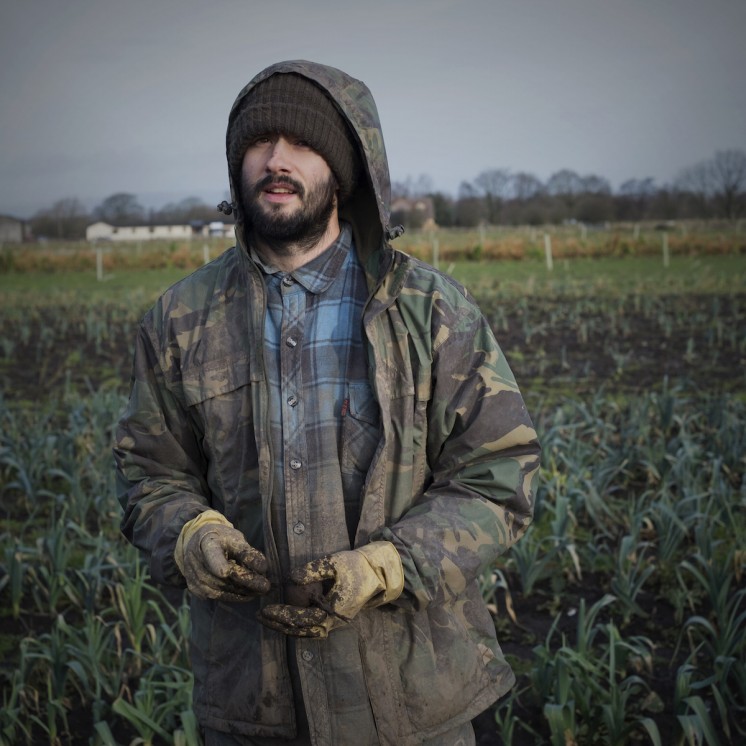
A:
<point x="278" y="156"/>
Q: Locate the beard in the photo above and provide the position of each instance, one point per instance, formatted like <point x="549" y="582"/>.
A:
<point x="298" y="230"/>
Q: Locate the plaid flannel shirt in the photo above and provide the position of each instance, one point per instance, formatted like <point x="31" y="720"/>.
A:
<point x="317" y="373"/>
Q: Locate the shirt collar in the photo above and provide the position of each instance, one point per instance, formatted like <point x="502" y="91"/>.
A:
<point x="320" y="272"/>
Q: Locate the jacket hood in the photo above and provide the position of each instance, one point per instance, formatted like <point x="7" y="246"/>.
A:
<point x="368" y="207"/>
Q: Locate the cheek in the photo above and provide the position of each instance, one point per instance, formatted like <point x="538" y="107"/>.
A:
<point x="252" y="167"/>
<point x="248" y="176"/>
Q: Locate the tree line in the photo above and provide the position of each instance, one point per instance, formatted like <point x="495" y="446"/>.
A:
<point x="714" y="188"/>
<point x="67" y="218"/>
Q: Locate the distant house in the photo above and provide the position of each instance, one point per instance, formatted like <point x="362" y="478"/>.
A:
<point x="13" y="230"/>
<point x="416" y="213"/>
<point x="103" y="231"/>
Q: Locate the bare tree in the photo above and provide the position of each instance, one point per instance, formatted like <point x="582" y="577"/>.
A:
<point x="525" y="186"/>
<point x="65" y="219"/>
<point x="593" y="184"/>
<point x="119" y="207"/>
<point x="411" y="188"/>
<point x="188" y="209"/>
<point x="635" y="198"/>
<point x="495" y="185"/>
<point x="565" y="183"/>
<point x="565" y="186"/>
<point x="696" y="182"/>
<point x="468" y="211"/>
<point x="728" y="177"/>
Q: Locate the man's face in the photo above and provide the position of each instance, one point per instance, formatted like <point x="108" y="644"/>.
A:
<point x="288" y="192"/>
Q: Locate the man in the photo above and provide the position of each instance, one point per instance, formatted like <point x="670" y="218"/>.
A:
<point x="326" y="445"/>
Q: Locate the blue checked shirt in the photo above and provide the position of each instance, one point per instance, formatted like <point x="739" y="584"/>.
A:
<point x="324" y="429"/>
<point x="323" y="417"/>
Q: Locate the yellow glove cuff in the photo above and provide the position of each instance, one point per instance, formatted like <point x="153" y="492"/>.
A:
<point x="189" y="529"/>
<point x="385" y="563"/>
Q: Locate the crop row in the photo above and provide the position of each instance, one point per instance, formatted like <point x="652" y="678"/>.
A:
<point x="635" y="562"/>
<point x="570" y="344"/>
<point x="637" y="548"/>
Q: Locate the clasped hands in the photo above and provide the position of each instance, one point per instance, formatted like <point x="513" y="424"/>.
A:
<point x="218" y="563"/>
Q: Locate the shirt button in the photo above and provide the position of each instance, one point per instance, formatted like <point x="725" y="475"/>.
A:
<point x="287" y="281"/>
<point x="299" y="528"/>
<point x="307" y="656"/>
<point x="295" y="463"/>
<point x="292" y="400"/>
<point x="291" y="341"/>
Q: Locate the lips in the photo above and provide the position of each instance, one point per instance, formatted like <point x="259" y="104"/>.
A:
<point x="279" y="195"/>
<point x="279" y="190"/>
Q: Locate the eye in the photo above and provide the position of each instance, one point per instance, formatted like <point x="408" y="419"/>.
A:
<point x="259" y="140"/>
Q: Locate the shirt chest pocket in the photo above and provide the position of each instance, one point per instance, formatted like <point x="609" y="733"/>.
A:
<point x="361" y="429"/>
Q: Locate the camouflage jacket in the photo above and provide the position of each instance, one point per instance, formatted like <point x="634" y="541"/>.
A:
<point x="451" y="483"/>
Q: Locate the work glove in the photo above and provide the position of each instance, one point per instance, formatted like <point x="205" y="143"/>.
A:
<point x="357" y="579"/>
<point x="217" y="562"/>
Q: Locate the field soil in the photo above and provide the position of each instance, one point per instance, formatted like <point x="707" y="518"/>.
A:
<point x="553" y="345"/>
<point x="558" y="348"/>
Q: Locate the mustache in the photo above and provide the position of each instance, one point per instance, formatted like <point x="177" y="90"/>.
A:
<point x="270" y="180"/>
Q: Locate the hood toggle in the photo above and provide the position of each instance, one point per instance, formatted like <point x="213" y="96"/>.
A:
<point x="226" y="207"/>
<point x="395" y="232"/>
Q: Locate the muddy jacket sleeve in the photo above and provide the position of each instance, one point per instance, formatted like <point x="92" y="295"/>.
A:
<point x="160" y="469"/>
<point x="483" y="458"/>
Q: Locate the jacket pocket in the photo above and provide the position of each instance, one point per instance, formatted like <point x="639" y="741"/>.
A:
<point x="216" y="378"/>
<point x="444" y="668"/>
<point x="219" y="399"/>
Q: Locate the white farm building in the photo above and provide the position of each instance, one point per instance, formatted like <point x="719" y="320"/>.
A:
<point x="102" y="231"/>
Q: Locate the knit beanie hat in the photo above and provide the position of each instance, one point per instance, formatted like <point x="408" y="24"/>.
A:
<point x="291" y="104"/>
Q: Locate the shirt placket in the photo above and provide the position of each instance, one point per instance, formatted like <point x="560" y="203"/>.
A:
<point x="295" y="450"/>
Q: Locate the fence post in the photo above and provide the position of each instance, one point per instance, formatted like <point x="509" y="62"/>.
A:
<point x="206" y="253"/>
<point x="436" y="252"/>
<point x="583" y="231"/>
<point x="99" y="264"/>
<point x="637" y="232"/>
<point x="666" y="256"/>
<point x="548" y="251"/>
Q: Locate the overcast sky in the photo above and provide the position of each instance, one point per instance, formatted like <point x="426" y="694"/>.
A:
<point x="101" y="96"/>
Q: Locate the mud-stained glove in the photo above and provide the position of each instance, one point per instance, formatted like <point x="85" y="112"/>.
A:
<point x="360" y="579"/>
<point x="217" y="562"/>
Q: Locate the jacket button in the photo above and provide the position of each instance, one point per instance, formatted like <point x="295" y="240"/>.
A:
<point x="287" y="281"/>
<point x="291" y="341"/>
<point x="299" y="528"/>
<point x="295" y="463"/>
<point x="292" y="400"/>
<point x="307" y="655"/>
